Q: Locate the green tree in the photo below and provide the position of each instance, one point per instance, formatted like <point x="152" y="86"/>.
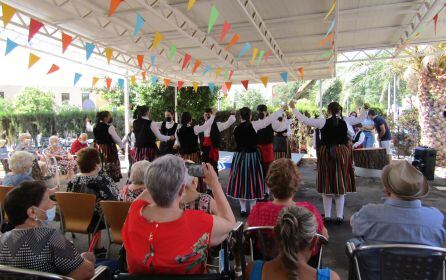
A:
<point x="158" y="97"/>
<point x="196" y="102"/>
<point x="284" y="93"/>
<point x="250" y="98"/>
<point x="332" y="93"/>
<point x="31" y="100"/>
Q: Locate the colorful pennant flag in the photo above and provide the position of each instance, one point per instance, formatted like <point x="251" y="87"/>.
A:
<point x="327" y="54"/>
<point x="267" y="55"/>
<point x="226" y="75"/>
<point x="254" y="54"/>
<point x="228" y="85"/>
<point x="331" y="27"/>
<point x="66" y="41"/>
<point x="186" y="60"/>
<point x="262" y="53"/>
<point x="121" y="83"/>
<point x="245" y="84"/>
<point x="264" y="80"/>
<point x="108" y="82"/>
<point x="190" y="4"/>
<point x="7" y="13"/>
<point x="435" y="23"/>
<point x="212" y="18"/>
<point x="180" y="84"/>
<point x="225" y="90"/>
<point x="217" y="72"/>
<point x="152" y="61"/>
<point x="245" y="49"/>
<point x="166" y="82"/>
<point x="301" y="72"/>
<point x="34" y="27"/>
<point x="114" y="4"/>
<point x="284" y="76"/>
<point x="230" y="74"/>
<point x="196" y="65"/>
<point x="133" y="80"/>
<point x="211" y="87"/>
<point x="77" y="77"/>
<point x="195" y="85"/>
<point x="225" y="30"/>
<point x="331" y="10"/>
<point x="172" y="51"/>
<point x="156" y="40"/>
<point x="140" y="58"/>
<point x="206" y="70"/>
<point x="138" y="25"/>
<point x="234" y="40"/>
<point x="89" y="48"/>
<point x="53" y="69"/>
<point x="143" y="74"/>
<point x="94" y="81"/>
<point x="32" y="60"/>
<point x="326" y="39"/>
<point x="108" y="54"/>
<point x="154" y="80"/>
<point x="10" y="45"/>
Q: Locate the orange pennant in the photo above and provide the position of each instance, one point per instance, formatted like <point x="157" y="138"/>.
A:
<point x="108" y="54"/>
<point x="94" y="81"/>
<point x="66" y="41"/>
<point x="245" y="84"/>
<point x="32" y="59"/>
<point x="143" y="74"/>
<point x="140" y="58"/>
<point x="301" y="72"/>
<point x="264" y="80"/>
<point x="166" y="82"/>
<point x="328" y="38"/>
<point x="196" y="65"/>
<point x="7" y="13"/>
<point x="108" y="81"/>
<point x="234" y="40"/>
<point x="180" y="84"/>
<point x="53" y="69"/>
<point x="114" y="4"/>
<point x="228" y="85"/>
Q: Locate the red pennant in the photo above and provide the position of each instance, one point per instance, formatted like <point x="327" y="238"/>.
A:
<point x="34" y="27"/>
<point x="435" y="23"/>
<point x="186" y="60"/>
<point x="196" y="65"/>
<point x="267" y="55"/>
<point x="143" y="74"/>
<point x="53" y="69"/>
<point x="140" y="58"/>
<point x="225" y="30"/>
<point x="228" y="85"/>
<point x="234" y="40"/>
<point x="230" y="74"/>
<point x="108" y="82"/>
<point x="114" y="4"/>
<point x="66" y="41"/>
<point x="245" y="84"/>
<point x="180" y="84"/>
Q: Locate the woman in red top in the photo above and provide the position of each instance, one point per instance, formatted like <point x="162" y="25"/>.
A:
<point x="283" y="180"/>
<point x="161" y="238"/>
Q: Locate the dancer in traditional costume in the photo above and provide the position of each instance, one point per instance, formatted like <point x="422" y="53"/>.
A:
<point x="146" y="133"/>
<point x="282" y="131"/>
<point x="265" y="139"/>
<point x="168" y="127"/>
<point x="210" y="139"/>
<point x="246" y="178"/>
<point x="106" y="139"/>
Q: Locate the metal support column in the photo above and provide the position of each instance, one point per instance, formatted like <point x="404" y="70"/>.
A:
<point x="176" y="103"/>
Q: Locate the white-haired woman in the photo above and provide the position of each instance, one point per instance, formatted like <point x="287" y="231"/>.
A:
<point x="21" y="164"/>
<point x="179" y="239"/>
<point x="39" y="169"/>
<point x="136" y="187"/>
<point x="65" y="161"/>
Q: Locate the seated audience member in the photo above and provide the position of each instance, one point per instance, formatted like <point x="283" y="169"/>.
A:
<point x="179" y="239"/>
<point x="65" y="161"/>
<point x="34" y="245"/>
<point x="136" y="187"/>
<point x="295" y="231"/>
<point x="39" y="165"/>
<point x="359" y="138"/>
<point x="402" y="218"/>
<point x="194" y="200"/>
<point x="93" y="181"/>
<point x="79" y="143"/>
<point x="20" y="164"/>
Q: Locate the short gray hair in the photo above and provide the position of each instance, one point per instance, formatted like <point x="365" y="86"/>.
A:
<point x="52" y="138"/>
<point x="164" y="178"/>
<point x="138" y="170"/>
<point x="21" y="161"/>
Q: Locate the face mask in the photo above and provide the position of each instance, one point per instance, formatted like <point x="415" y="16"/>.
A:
<point x="111" y="120"/>
<point x="83" y="142"/>
<point x="50" y="215"/>
<point x="261" y="115"/>
<point x="168" y="119"/>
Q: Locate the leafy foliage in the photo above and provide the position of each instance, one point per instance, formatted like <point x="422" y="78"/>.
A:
<point x="333" y="92"/>
<point x="250" y="98"/>
<point x="31" y="100"/>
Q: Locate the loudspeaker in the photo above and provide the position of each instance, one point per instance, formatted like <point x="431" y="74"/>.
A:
<point x="424" y="160"/>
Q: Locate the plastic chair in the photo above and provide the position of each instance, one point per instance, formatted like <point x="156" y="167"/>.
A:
<point x="4" y="190"/>
<point x="115" y="213"/>
<point x="9" y="272"/>
<point x="396" y="262"/>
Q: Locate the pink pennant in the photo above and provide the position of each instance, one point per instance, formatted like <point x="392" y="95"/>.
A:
<point x="231" y="73"/>
<point x="225" y="30"/>
<point x="267" y="55"/>
<point x="186" y="60"/>
<point x="34" y="27"/>
<point x="435" y="23"/>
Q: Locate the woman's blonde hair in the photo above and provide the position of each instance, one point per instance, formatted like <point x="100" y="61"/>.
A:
<point x="21" y="162"/>
<point x="138" y="170"/>
<point x="23" y="136"/>
<point x="295" y="229"/>
<point x="53" y="138"/>
<point x="283" y="178"/>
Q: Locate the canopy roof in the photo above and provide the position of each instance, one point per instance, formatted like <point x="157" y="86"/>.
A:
<point x="290" y="30"/>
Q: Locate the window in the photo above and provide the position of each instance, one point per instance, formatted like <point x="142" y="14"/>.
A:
<point x="2" y="94"/>
<point x="65" y="97"/>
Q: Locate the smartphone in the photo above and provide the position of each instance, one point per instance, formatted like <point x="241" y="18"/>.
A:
<point x="195" y="170"/>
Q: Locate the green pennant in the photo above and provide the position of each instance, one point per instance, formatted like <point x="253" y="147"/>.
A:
<point x="172" y="51"/>
<point x="212" y="18"/>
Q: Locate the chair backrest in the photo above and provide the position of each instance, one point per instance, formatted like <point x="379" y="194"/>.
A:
<point x="126" y="276"/>
<point x="4" y="190"/>
<point x="262" y="244"/>
<point x="115" y="213"/>
<point x="77" y="210"/>
<point x="9" y="272"/>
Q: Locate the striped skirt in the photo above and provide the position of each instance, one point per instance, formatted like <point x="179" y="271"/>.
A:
<point x="246" y="176"/>
<point x="281" y="147"/>
<point x="335" y="172"/>
<point x="195" y="157"/>
<point x="110" y="160"/>
<point x="145" y="154"/>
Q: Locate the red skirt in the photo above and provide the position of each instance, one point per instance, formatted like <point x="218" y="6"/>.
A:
<point x="266" y="153"/>
<point x="213" y="152"/>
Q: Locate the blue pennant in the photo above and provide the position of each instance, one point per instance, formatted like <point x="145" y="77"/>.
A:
<point x="89" y="48"/>
<point x="10" y="45"/>
<point x="77" y="77"/>
<point x="154" y="79"/>
<point x="152" y="61"/>
<point x="284" y="76"/>
<point x="138" y="25"/>
<point x="121" y="83"/>
<point x="206" y="70"/>
<point x="246" y="48"/>
<point x="211" y="87"/>
<point x="331" y="27"/>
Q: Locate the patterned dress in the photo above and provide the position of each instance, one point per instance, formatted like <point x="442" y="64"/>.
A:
<point x="202" y="203"/>
<point x="65" y="164"/>
<point x="126" y="194"/>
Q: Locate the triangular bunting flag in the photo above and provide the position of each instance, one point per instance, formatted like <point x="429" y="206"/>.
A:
<point x="121" y="83"/>
<point x="53" y="69"/>
<point x="7" y="13"/>
<point x="108" y="54"/>
<point x="172" y="51"/>
<point x="435" y="23"/>
<point x="66" y="41"/>
<point x="226" y="75"/>
<point x="211" y="87"/>
<point x="196" y="65"/>
<point x="152" y="61"/>
<point x="245" y="84"/>
<point x="108" y="82"/>
<point x="32" y="59"/>
<point x="156" y="40"/>
<point x="234" y="40"/>
<point x="225" y="90"/>
<point x="284" y="76"/>
<point x="264" y="80"/>
<point x="10" y="45"/>
<point x="77" y="77"/>
<point x="225" y="30"/>
<point x="217" y="72"/>
<point x="190" y="4"/>
<point x="230" y="74"/>
<point x="327" y="54"/>
<point x="166" y="82"/>
<point x="245" y="49"/>
<point x="262" y="53"/>
<point x="154" y="79"/>
<point x="301" y="72"/>
<point x="267" y="55"/>
<point x="133" y="80"/>
<point x="140" y="58"/>
<point x="228" y="85"/>
<point x="186" y="60"/>
<point x="34" y="27"/>
<point x="206" y="69"/>
<point x="326" y="39"/>
<point x="212" y="18"/>
<point x="254" y="54"/>
<point x="331" y="27"/>
<point x="195" y="86"/>
<point x="89" y="48"/>
<point x="94" y="81"/>
<point x="138" y="25"/>
<point x="331" y="10"/>
<point x="143" y="74"/>
<point x="180" y="84"/>
<point x="114" y="4"/>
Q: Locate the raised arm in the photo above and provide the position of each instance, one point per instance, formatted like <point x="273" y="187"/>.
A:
<point x="260" y="124"/>
<point x="115" y="137"/>
<point x="201" y="128"/>
<point x="356" y="120"/>
<point x="225" y="125"/>
<point x="156" y="131"/>
<point x="319" y="123"/>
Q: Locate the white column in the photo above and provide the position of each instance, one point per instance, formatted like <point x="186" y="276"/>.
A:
<point x="126" y="106"/>
<point x="389" y="94"/>
<point x="176" y="103"/>
<point x="395" y="99"/>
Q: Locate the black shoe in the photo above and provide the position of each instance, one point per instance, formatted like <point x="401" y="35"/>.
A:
<point x="244" y="214"/>
<point x="339" y="221"/>
<point x="100" y="253"/>
<point x="328" y="220"/>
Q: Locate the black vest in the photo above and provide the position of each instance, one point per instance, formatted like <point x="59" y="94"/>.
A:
<point x="266" y="135"/>
<point x="101" y="135"/>
<point x="168" y="132"/>
<point x="188" y="140"/>
<point x="167" y="147"/>
<point x="214" y="135"/>
<point x="245" y="137"/>
<point x="334" y="132"/>
<point x="357" y="137"/>
<point x="144" y="137"/>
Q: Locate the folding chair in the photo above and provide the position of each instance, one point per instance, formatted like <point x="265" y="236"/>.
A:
<point x="396" y="262"/>
<point x="9" y="272"/>
<point x="114" y="213"/>
<point x="4" y="190"/>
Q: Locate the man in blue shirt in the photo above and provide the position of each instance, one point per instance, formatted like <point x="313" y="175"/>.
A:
<point x="383" y="131"/>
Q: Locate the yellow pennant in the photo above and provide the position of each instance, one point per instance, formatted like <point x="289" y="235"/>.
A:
<point x="331" y="10"/>
<point x="133" y="80"/>
<point x="108" y="54"/>
<point x="264" y="80"/>
<point x="217" y="72"/>
<point x="195" y="85"/>
<point x="190" y="4"/>
<point x="8" y="13"/>
<point x="94" y="81"/>
<point x="254" y="54"/>
<point x="156" y="40"/>
<point x="32" y="59"/>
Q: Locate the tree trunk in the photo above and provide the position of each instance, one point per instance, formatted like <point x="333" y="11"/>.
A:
<point x="432" y="96"/>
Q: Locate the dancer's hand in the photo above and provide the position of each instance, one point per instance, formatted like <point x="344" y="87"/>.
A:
<point x="292" y="104"/>
<point x="214" y="111"/>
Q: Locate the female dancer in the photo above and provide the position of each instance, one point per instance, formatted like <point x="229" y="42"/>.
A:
<point x="282" y="131"/>
<point x="246" y="179"/>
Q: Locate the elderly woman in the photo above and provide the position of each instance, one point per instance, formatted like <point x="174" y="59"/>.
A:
<point x="39" y="165"/>
<point x="33" y="245"/>
<point x="20" y="164"/>
<point x="178" y="239"/>
<point x="136" y="187"/>
<point x="64" y="159"/>
<point x="195" y="200"/>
